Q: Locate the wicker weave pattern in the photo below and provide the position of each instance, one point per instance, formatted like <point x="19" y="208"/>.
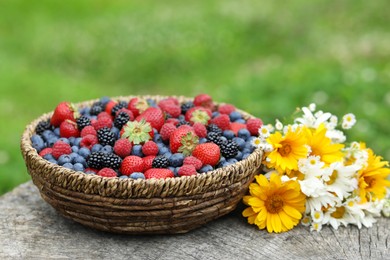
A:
<point x="174" y="205"/>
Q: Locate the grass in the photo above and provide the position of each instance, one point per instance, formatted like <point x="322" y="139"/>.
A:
<point x="265" y="57"/>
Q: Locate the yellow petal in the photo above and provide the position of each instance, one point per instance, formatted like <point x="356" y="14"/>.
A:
<point x="269" y="223"/>
<point x="286" y="220"/>
<point x="292" y="212"/>
<point x="276" y="223"/>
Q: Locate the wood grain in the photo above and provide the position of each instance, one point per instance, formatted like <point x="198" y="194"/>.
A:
<point x="31" y="229"/>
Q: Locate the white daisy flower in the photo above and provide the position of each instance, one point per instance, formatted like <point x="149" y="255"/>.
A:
<point x="256" y="142"/>
<point x="316" y="227"/>
<point x="311" y="166"/>
<point x="264" y="132"/>
<point x="325" y="199"/>
<point x="348" y="121"/>
<point x="310" y="120"/>
<point x="336" y="136"/>
<point x="386" y="208"/>
<point x="278" y="125"/>
<point x="317" y="216"/>
<point x="312" y="107"/>
<point x="306" y="220"/>
<point x="340" y="215"/>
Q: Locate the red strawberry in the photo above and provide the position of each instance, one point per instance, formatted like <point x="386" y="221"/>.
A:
<point x="166" y="131"/>
<point x="193" y="161"/>
<point x="222" y="121"/>
<point x="63" y="111"/>
<point x="122" y="147"/>
<point x="137" y="106"/>
<point x="132" y="164"/>
<point x="158" y="173"/>
<point x="104" y="121"/>
<point x="226" y="109"/>
<point x="253" y="125"/>
<point x="169" y="106"/>
<point x="60" y="148"/>
<point x="173" y="100"/>
<point x="154" y="116"/>
<point x="204" y="100"/>
<point x="109" y="106"/>
<point x="235" y="127"/>
<point x="68" y="129"/>
<point x="183" y="139"/>
<point x="150" y="148"/>
<point x="89" y="141"/>
<point x="200" y="130"/>
<point x="107" y="172"/>
<point x="207" y="153"/>
<point x="173" y="121"/>
<point x="45" y="151"/>
<point x="148" y="161"/>
<point x="187" y="170"/>
<point x="198" y="115"/>
<point x="127" y="111"/>
<point x="88" y="130"/>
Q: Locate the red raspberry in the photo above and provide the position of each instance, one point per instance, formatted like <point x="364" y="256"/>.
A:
<point x="173" y="121"/>
<point x="148" y="161"/>
<point x="158" y="173"/>
<point x="132" y="164"/>
<point x="88" y="141"/>
<point x="109" y="106"/>
<point x="107" y="172"/>
<point x="170" y="108"/>
<point x="46" y="151"/>
<point x="166" y="131"/>
<point x="226" y="109"/>
<point x="150" y="148"/>
<point x="88" y="130"/>
<point x="60" y="148"/>
<point x="122" y="147"/>
<point x="68" y="129"/>
<point x="222" y="121"/>
<point x="200" y="130"/>
<point x="204" y="100"/>
<point x="104" y="121"/>
<point x="191" y="160"/>
<point x="253" y="125"/>
<point x="187" y="170"/>
<point x="103" y="115"/>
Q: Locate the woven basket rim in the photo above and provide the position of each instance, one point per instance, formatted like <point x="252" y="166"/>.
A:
<point x="27" y="149"/>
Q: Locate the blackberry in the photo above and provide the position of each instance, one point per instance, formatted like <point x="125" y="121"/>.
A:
<point x="82" y="122"/>
<point x="117" y="107"/>
<point x="229" y="149"/>
<point x="96" y="108"/>
<point x="106" y="137"/>
<point x="160" y="162"/>
<point x="215" y="138"/>
<point x="42" y="126"/>
<point x="183" y="122"/>
<point x="121" y="119"/>
<point x="100" y="160"/>
<point x="186" y="106"/>
<point x="214" y="128"/>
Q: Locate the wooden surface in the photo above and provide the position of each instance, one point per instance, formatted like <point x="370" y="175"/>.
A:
<point x="31" y="229"/>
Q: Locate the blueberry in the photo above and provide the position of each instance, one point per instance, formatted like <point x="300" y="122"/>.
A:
<point x="206" y="168"/>
<point x="157" y="138"/>
<point x="176" y="172"/>
<point x="181" y="118"/>
<point x="202" y="140"/>
<point x="223" y="139"/>
<point x="151" y="102"/>
<point x="244" y="133"/>
<point x="73" y="156"/>
<point x="56" y="132"/>
<point x="84" y="152"/>
<point x="240" y="142"/>
<point x="222" y="160"/>
<point x="84" y="111"/>
<point x="249" y="146"/>
<point x="116" y="131"/>
<point x="246" y="150"/>
<point x="168" y="154"/>
<point x="37" y="142"/>
<point x="238" y="157"/>
<point x="48" y="157"/>
<point x="223" y="164"/>
<point x="137" y="150"/>
<point x="47" y="134"/>
<point x="240" y="121"/>
<point x="80" y="159"/>
<point x="171" y="168"/>
<point x="235" y="115"/>
<point x="75" y="149"/>
<point x="90" y="172"/>
<point x="215" y="114"/>
<point x="104" y="100"/>
<point x="77" y="141"/>
<point x="96" y="148"/>
<point x="68" y="165"/>
<point x="137" y="175"/>
<point x="52" y="141"/>
<point x="53" y="161"/>
<point x="65" y="140"/>
<point x="155" y="131"/>
<point x="232" y="161"/>
<point x="245" y="155"/>
<point x="163" y="150"/>
<point x="107" y="149"/>
<point x="63" y="159"/>
<point x="78" y="167"/>
<point x="229" y="134"/>
<point x="123" y="177"/>
<point x="176" y="160"/>
<point x="71" y="140"/>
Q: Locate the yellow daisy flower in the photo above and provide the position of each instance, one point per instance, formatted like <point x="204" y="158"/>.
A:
<point x="321" y="146"/>
<point x="372" y="178"/>
<point x="275" y="205"/>
<point x="287" y="151"/>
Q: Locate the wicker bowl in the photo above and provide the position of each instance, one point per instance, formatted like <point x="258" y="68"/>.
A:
<point x="174" y="205"/>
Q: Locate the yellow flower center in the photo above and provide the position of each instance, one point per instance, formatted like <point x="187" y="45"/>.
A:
<point x="285" y="150"/>
<point x="317" y="215"/>
<point x="339" y="213"/>
<point x="351" y="203"/>
<point x="274" y="204"/>
<point x="257" y="141"/>
<point x="306" y="220"/>
<point x="313" y="162"/>
<point x="332" y="177"/>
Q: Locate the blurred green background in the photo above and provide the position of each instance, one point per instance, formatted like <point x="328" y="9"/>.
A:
<point x="266" y="57"/>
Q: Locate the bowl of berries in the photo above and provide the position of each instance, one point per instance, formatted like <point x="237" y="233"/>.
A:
<point x="143" y="164"/>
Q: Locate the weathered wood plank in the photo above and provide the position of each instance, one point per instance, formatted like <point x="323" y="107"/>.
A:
<point x="30" y="228"/>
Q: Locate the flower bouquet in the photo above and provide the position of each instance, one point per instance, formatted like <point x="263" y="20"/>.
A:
<point x="314" y="177"/>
